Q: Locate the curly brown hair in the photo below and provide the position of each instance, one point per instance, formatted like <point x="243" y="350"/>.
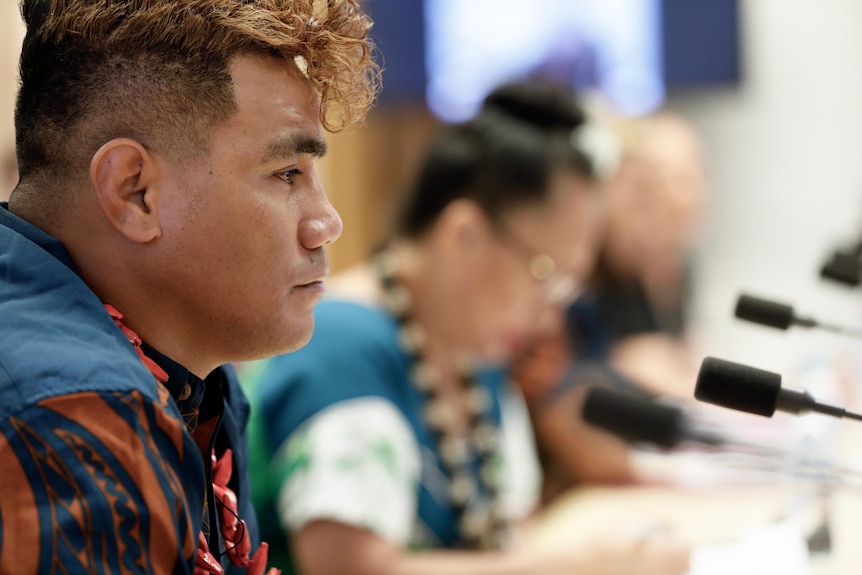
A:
<point x="157" y="70"/>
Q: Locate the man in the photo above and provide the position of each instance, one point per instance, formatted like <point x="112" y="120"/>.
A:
<point x="168" y="220"/>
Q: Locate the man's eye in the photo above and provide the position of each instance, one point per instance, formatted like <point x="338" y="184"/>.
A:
<point x="288" y="175"/>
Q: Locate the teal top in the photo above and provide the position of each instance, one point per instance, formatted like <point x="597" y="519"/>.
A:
<point x="338" y="433"/>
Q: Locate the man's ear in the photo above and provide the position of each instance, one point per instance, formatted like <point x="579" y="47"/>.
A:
<point x="122" y="173"/>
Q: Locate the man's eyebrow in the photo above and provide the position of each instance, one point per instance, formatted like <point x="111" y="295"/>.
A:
<point x="290" y="146"/>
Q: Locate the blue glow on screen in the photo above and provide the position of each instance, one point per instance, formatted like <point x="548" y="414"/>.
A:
<point x="472" y="46"/>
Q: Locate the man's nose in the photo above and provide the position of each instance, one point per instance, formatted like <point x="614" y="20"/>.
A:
<point x="322" y="227"/>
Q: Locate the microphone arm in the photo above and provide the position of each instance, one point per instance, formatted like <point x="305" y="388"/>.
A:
<point x="838" y="329"/>
<point x="802" y="402"/>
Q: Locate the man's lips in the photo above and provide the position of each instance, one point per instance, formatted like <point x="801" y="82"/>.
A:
<point x="315" y="281"/>
<point x="315" y="275"/>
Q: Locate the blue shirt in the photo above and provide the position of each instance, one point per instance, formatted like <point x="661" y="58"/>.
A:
<point x="101" y="473"/>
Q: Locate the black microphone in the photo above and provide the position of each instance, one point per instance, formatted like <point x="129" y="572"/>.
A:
<point x="743" y="388"/>
<point x="782" y="316"/>
<point x="843" y="268"/>
<point x="638" y="419"/>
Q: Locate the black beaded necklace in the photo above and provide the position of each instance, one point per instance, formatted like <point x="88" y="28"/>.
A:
<point x="477" y="503"/>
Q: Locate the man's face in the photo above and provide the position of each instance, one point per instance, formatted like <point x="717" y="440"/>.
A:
<point x="246" y="226"/>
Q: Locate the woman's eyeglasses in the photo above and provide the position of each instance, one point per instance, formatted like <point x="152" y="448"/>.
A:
<point x="559" y="287"/>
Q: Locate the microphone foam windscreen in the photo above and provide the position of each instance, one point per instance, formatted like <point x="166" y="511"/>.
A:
<point x="843" y="267"/>
<point x="633" y="418"/>
<point x="737" y="386"/>
<point x="764" y="312"/>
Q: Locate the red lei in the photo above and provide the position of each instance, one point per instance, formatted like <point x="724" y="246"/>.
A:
<point x="234" y="530"/>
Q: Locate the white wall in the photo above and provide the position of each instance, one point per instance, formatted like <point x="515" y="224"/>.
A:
<point x="11" y="35"/>
<point x="785" y="161"/>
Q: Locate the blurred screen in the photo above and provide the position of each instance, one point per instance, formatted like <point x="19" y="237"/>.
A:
<point x="449" y="54"/>
<point x="614" y="46"/>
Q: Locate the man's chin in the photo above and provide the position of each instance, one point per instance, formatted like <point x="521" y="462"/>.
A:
<point x="286" y="342"/>
<point x="299" y="335"/>
<point x="300" y="341"/>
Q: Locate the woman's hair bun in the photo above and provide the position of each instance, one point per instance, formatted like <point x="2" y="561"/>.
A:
<point x="545" y="104"/>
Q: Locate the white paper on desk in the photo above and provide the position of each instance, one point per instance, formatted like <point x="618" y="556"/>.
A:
<point x="777" y="549"/>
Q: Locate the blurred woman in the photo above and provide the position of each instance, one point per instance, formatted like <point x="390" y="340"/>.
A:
<point x="396" y="430"/>
<point x="628" y="328"/>
<point x="634" y="314"/>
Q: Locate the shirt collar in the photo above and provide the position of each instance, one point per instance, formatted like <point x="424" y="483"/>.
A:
<point x="186" y="388"/>
<point x="39" y="237"/>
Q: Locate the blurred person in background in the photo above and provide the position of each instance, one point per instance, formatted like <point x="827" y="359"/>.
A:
<point x="634" y="314"/>
<point x="628" y="329"/>
<point x="394" y="443"/>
